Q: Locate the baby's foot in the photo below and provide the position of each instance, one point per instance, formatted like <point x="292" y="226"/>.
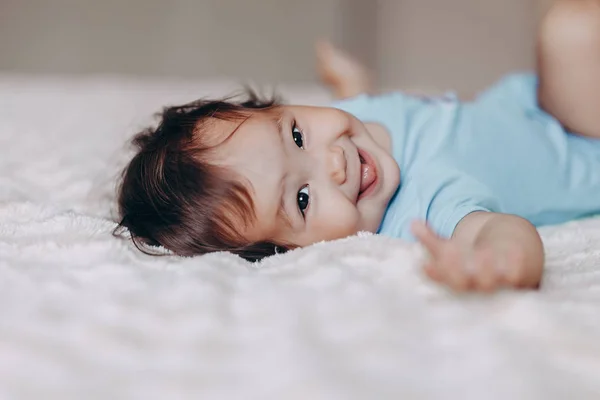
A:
<point x="343" y="74"/>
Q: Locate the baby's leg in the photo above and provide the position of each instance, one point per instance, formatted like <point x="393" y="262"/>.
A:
<point x="569" y="65"/>
<point x="345" y="76"/>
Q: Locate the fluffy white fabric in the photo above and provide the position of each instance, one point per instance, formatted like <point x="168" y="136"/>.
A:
<point x="86" y="316"/>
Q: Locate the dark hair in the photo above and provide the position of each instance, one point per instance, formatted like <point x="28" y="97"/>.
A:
<point x="171" y="196"/>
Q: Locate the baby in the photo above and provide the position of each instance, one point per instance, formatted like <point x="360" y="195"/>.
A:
<point x="469" y="180"/>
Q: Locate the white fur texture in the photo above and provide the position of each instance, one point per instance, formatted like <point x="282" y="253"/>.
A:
<point x="84" y="315"/>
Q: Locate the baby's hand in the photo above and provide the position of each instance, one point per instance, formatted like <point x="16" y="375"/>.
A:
<point x="467" y="268"/>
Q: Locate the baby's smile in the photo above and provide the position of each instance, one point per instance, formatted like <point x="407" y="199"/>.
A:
<point x="368" y="174"/>
<point x="321" y="174"/>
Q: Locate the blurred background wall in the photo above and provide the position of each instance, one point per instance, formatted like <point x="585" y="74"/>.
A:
<point x="410" y="44"/>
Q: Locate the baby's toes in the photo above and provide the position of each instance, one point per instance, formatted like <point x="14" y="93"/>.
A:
<point x="336" y="66"/>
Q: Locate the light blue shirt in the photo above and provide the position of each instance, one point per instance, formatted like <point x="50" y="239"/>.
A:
<point x="499" y="153"/>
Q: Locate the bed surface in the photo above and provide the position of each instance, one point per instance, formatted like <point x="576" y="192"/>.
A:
<point x="85" y="315"/>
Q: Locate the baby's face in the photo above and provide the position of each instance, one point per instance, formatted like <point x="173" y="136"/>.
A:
<point x="314" y="173"/>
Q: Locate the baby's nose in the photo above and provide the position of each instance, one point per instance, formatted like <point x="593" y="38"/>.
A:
<point x="337" y="165"/>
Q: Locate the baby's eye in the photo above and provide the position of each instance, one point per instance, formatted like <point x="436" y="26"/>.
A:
<point x="303" y="199"/>
<point x="298" y="137"/>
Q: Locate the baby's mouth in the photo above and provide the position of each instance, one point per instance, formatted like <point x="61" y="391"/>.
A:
<point x="368" y="174"/>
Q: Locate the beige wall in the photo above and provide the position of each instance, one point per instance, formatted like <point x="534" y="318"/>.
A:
<point x="542" y="6"/>
<point x="266" y="40"/>
<point x="446" y="44"/>
<point x="411" y="44"/>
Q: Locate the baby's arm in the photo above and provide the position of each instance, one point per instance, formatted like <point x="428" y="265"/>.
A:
<point x="345" y="76"/>
<point x="487" y="251"/>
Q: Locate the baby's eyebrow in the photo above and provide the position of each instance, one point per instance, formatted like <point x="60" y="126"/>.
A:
<point x="277" y="117"/>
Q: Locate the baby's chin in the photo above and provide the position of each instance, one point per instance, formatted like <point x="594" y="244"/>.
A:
<point x="371" y="214"/>
<point x="368" y="226"/>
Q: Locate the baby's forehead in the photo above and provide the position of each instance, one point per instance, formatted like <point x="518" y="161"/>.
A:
<point x="239" y="144"/>
<point x="252" y="152"/>
<point x="218" y="130"/>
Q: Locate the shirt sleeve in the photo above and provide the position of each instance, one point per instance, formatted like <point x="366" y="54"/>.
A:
<point x="451" y="196"/>
<point x="440" y="196"/>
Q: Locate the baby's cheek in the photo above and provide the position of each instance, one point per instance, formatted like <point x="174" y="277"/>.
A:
<point x="339" y="222"/>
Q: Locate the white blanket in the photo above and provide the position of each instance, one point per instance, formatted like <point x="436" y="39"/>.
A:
<point x="84" y="315"/>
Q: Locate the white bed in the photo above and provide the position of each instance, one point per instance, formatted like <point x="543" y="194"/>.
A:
<point x="84" y="315"/>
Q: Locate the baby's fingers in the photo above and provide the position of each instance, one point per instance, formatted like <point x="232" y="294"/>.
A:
<point x="427" y="238"/>
<point x="433" y="272"/>
<point x="450" y="269"/>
